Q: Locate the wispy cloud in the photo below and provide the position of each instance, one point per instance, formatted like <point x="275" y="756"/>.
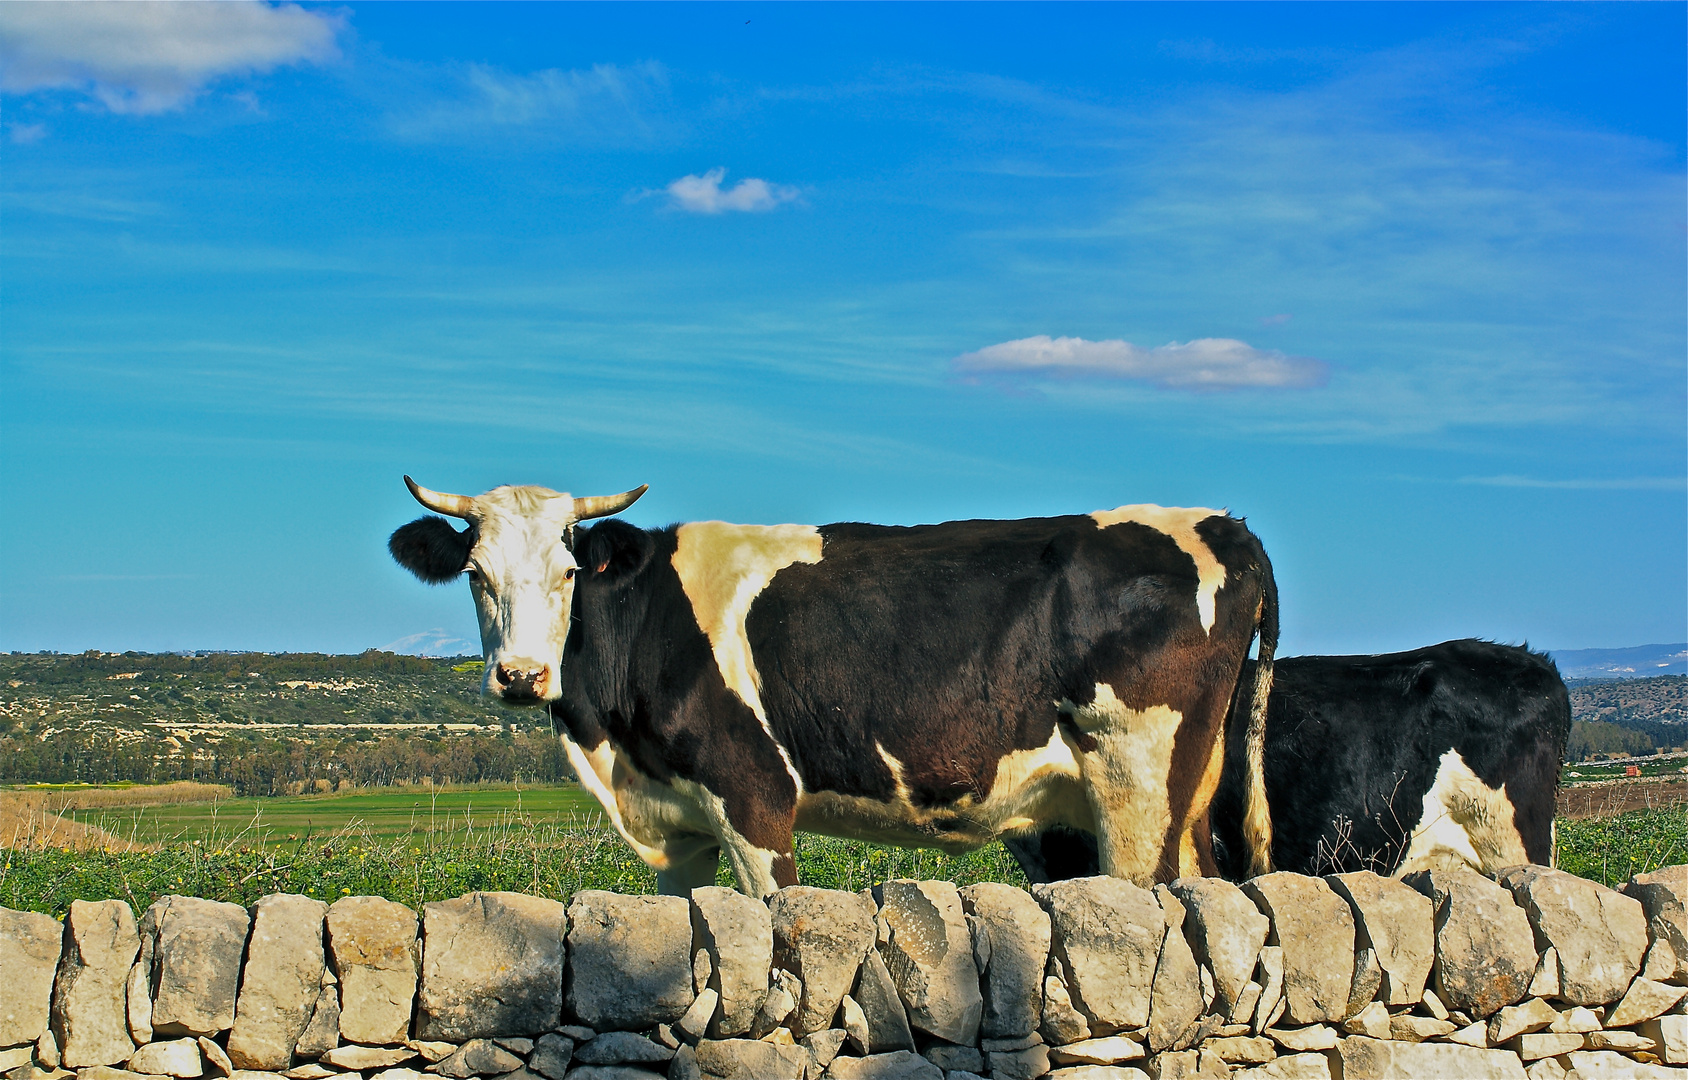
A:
<point x="1202" y="364"/>
<point x="704" y="194"/>
<point x="153" y="57"/>
<point x="606" y="102"/>
<point x="1631" y="483"/>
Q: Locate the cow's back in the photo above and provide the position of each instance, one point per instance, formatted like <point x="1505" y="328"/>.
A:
<point x="1355" y="744"/>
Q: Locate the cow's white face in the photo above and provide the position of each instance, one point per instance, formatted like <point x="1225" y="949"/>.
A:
<point x="516" y="556"/>
<point x="522" y="575"/>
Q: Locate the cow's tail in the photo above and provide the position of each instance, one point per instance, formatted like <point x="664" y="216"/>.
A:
<point x="1257" y="814"/>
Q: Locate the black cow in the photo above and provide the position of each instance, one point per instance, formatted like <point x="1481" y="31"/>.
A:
<point x="718" y="686"/>
<point x="1442" y="756"/>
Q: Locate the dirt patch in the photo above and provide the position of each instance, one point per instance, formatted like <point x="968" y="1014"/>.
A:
<point x="1606" y="798"/>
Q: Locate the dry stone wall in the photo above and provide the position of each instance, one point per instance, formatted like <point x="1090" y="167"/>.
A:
<point x="1535" y="974"/>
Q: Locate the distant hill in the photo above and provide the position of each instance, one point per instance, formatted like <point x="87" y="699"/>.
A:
<point x="1639" y="662"/>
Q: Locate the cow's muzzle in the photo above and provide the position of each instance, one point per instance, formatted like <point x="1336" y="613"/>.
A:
<point x="521" y="682"/>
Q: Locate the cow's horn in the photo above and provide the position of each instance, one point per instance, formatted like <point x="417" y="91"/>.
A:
<point x="593" y="506"/>
<point x="439" y="502"/>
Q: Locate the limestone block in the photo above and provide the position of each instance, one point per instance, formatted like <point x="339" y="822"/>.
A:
<point x="929" y="953"/>
<point x="29" y="953"/>
<point x="15" y="1056"/>
<point x="280" y="983"/>
<point x="749" y="1059"/>
<point x="1315" y="928"/>
<point x="1621" y="1041"/>
<point x="1545" y="1069"/>
<point x="1303" y="1039"/>
<point x="1485" y="949"/>
<point x="1374" y="1059"/>
<point x="38" y="1072"/>
<point x="1025" y="1064"/>
<point x="1599" y="934"/>
<point x="47" y="1050"/>
<point x="177" y="1057"/>
<point x="1188" y="1065"/>
<point x="1398" y="925"/>
<point x="695" y="1024"/>
<point x="1290" y="1067"/>
<point x="736" y="936"/>
<point x="621" y="1048"/>
<point x="882" y="1007"/>
<point x="1545" y="983"/>
<point x="361" y="1058"/>
<point x="1373" y="1020"/>
<point x="685" y="1066"/>
<point x="377" y="954"/>
<point x="323" y="1032"/>
<point x="1095" y="1072"/>
<point x="854" y="1021"/>
<point x="595" y="1072"/>
<point x="1530" y="1015"/>
<point x="1541" y="1044"/>
<point x="821" y="936"/>
<point x="1645" y="1000"/>
<point x="89" y="1000"/>
<point x="1243" y="1049"/>
<point x="1226" y="931"/>
<point x="1105" y="939"/>
<point x="551" y="1056"/>
<point x="137" y="993"/>
<point x="1608" y="1065"/>
<point x="1670" y="1035"/>
<point x="1409" y="1028"/>
<point x="1108" y="1050"/>
<point x="196" y="950"/>
<point x="1243" y="1011"/>
<point x="492" y="964"/>
<point x="823" y="1046"/>
<point x="1014" y="934"/>
<point x="477" y="1057"/>
<point x="1271" y="977"/>
<point x="780" y="1004"/>
<point x="898" y="1065"/>
<point x="106" y="1072"/>
<point x="216" y="1058"/>
<point x="1061" y="1023"/>
<point x="1576" y="1019"/>
<point x="1662" y="894"/>
<point x="1175" y="996"/>
<point x="951" y="1058"/>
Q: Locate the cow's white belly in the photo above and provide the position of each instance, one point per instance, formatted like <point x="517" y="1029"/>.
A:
<point x="662" y="825"/>
<point x="1465" y="824"/>
<point x="1032" y="790"/>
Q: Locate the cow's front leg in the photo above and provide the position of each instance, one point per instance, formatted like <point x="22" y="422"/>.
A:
<point x="757" y="840"/>
<point x="691" y="865"/>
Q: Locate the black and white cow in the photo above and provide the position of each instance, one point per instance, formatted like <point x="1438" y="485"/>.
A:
<point x="718" y="686"/>
<point x="1446" y="756"/>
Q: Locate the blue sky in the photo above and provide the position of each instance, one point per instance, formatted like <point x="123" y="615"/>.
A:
<point x="1403" y="285"/>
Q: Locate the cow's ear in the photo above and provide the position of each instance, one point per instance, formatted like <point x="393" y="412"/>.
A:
<point x="431" y="549"/>
<point x="615" y="551"/>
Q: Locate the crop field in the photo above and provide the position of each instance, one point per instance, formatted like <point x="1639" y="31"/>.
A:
<point x="379" y="814"/>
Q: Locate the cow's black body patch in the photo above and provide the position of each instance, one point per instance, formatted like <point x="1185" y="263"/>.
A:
<point x="1353" y="744"/>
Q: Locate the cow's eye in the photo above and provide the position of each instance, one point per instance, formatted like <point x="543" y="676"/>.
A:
<point x="472" y="574"/>
<point x="568" y="575"/>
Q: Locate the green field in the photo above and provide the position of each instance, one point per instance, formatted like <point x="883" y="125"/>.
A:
<point x="380" y="814"/>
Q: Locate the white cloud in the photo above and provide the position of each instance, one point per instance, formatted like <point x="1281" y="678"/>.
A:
<point x="1630" y="483"/>
<point x="155" y="56"/>
<point x="606" y="103"/>
<point x="703" y="194"/>
<point x="1202" y="364"/>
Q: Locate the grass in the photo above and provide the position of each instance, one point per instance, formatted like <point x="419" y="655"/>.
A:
<point x="1612" y="849"/>
<point x="378" y="814"/>
<point x="417" y="846"/>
